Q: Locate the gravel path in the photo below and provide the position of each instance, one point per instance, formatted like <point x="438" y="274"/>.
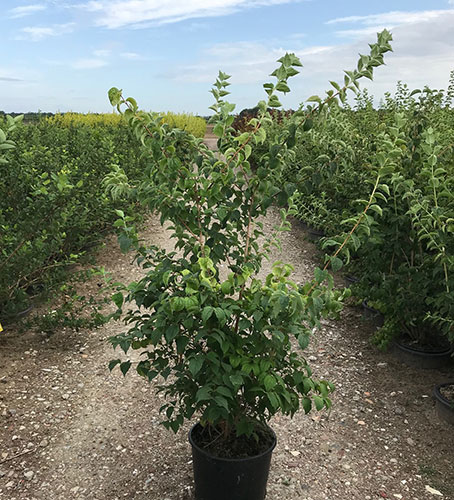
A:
<point x="71" y="430"/>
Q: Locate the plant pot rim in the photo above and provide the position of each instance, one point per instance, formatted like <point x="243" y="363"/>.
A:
<point x="438" y="395"/>
<point x="440" y="352"/>
<point x="11" y="318"/>
<point x="366" y="305"/>
<point x="210" y="455"/>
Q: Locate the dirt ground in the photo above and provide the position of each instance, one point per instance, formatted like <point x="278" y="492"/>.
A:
<point x="71" y="430"/>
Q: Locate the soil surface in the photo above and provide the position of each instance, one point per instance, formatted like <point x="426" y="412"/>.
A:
<point x="69" y="429"/>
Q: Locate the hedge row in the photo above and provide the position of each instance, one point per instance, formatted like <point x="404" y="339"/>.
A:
<point x="184" y="121"/>
<point x="53" y="206"/>
<point x="386" y="174"/>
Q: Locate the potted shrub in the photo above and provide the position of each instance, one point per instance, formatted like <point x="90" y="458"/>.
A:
<point x="404" y="246"/>
<point x="221" y="341"/>
<point x="417" y="287"/>
<point x="444" y="401"/>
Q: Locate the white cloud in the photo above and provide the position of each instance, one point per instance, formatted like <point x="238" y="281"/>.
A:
<point x="247" y="62"/>
<point x="140" y="13"/>
<point x="90" y="63"/>
<point x="102" y="53"/>
<point x="25" y="10"/>
<point x="10" y="79"/>
<point x="132" y="56"/>
<point x="38" y="33"/>
<point x="423" y="55"/>
<point x="377" y="22"/>
<point x="17" y="78"/>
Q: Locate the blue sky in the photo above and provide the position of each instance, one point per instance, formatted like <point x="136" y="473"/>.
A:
<point x="66" y="54"/>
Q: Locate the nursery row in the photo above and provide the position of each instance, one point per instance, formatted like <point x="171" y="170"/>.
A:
<point x="53" y="205"/>
<point x="379" y="185"/>
<point x="191" y="124"/>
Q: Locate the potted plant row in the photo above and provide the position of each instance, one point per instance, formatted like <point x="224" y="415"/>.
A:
<point x="405" y="250"/>
<point x="220" y="342"/>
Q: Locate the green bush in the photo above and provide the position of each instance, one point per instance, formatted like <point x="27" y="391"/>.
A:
<point x="52" y="204"/>
<point x="404" y="247"/>
<point x="213" y="333"/>
<point x="192" y="124"/>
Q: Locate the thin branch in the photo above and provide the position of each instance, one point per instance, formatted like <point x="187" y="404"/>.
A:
<point x="358" y="222"/>
<point x="22" y="453"/>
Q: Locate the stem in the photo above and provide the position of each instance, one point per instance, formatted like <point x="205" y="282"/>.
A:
<point x="446" y="276"/>
<point x="369" y="203"/>
<point x="248" y="234"/>
<point x="361" y="217"/>
<point x="18" y="455"/>
<point x="199" y="221"/>
<point x="246" y="253"/>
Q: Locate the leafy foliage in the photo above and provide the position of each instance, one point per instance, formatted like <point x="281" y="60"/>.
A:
<point x="217" y="338"/>
<point x="403" y="248"/>
<point x="53" y="206"/>
<point x="192" y="124"/>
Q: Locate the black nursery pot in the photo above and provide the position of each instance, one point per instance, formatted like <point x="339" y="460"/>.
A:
<point x="12" y="317"/>
<point x="419" y="357"/>
<point x="230" y="478"/>
<point x="350" y="280"/>
<point x="445" y="408"/>
<point x="372" y="315"/>
<point x="315" y="234"/>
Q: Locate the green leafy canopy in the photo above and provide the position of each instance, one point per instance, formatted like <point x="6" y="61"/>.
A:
<point x="217" y="338"/>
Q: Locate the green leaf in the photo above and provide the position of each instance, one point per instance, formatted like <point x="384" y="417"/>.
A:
<point x="306" y="404"/>
<point x="336" y="263"/>
<point x="319" y="403"/>
<point x="115" y="96"/>
<point x="203" y="394"/>
<point x="274" y="400"/>
<point x="377" y="209"/>
<point x="125" y="366"/>
<point x="221" y="402"/>
<point x="171" y="332"/>
<point x="237" y="380"/>
<point x="113" y="364"/>
<point x="274" y="102"/>
<point x="118" y="299"/>
<point x="195" y="364"/>
<point x="320" y="275"/>
<point x="224" y="391"/>
<point x="218" y="130"/>
<point x="314" y="98"/>
<point x="282" y="87"/>
<point x="206" y="313"/>
<point x="143" y="368"/>
<point x="220" y="315"/>
<point x="307" y="125"/>
<point x="269" y="382"/>
<point x="303" y="340"/>
<point x="125" y="242"/>
<point x="226" y="288"/>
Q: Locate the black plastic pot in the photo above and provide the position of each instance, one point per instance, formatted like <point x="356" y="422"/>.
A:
<point x="419" y="357"/>
<point x="350" y="279"/>
<point x="372" y="315"/>
<point x="11" y="318"/>
<point x="230" y="479"/>
<point x="445" y="408"/>
<point x="315" y="234"/>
